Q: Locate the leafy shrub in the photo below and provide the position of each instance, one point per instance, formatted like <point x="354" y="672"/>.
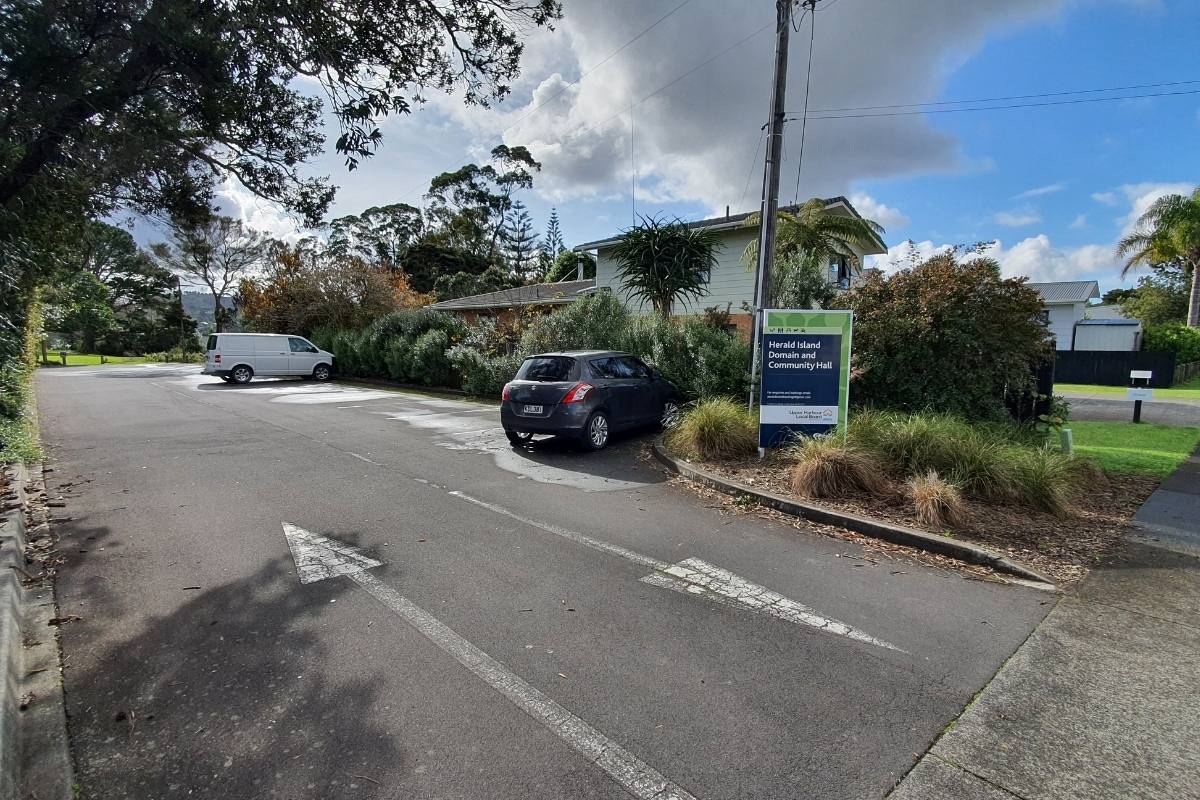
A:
<point x="483" y="376"/>
<point x="702" y="361"/>
<point x="1181" y="340"/>
<point x="828" y="468"/>
<point x="945" y="336"/>
<point x="938" y="502"/>
<point x="176" y="355"/>
<point x="714" y="430"/>
<point x="595" y="322"/>
<point x="19" y="440"/>
<point x="428" y="361"/>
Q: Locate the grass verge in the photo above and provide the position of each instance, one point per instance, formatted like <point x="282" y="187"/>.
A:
<point x="1184" y="391"/>
<point x="91" y="360"/>
<point x="1122" y="447"/>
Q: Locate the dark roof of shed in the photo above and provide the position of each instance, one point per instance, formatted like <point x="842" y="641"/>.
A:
<point x="538" y="294"/>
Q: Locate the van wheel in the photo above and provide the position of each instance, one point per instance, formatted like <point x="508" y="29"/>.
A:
<point x="241" y="374"/>
<point x="227" y="379"/>
<point x="322" y="372"/>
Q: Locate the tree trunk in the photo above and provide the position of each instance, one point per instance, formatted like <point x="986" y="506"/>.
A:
<point x="1193" y="317"/>
<point x="662" y="306"/>
<point x="218" y="314"/>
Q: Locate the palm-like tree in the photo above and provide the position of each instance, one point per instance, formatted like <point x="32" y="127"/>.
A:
<point x="661" y="262"/>
<point x="811" y="230"/>
<point x="1168" y="232"/>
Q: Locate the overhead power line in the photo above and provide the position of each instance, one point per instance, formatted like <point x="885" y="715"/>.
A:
<point x="1007" y="97"/>
<point x="812" y="33"/>
<point x="1077" y="101"/>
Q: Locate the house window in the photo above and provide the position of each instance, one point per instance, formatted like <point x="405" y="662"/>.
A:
<point x="1044" y="316"/>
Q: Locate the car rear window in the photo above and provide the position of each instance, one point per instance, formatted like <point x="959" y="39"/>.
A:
<point x="212" y="343"/>
<point x="546" y="368"/>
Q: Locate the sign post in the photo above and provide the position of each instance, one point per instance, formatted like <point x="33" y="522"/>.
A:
<point x="1138" y="393"/>
<point x="805" y="385"/>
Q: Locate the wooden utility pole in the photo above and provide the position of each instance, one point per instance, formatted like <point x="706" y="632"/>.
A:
<point x="770" y="203"/>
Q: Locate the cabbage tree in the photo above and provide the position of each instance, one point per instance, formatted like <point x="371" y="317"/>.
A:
<point x="661" y="262"/>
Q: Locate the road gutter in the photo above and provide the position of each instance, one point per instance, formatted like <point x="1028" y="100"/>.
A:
<point x="34" y="754"/>
<point x="896" y="534"/>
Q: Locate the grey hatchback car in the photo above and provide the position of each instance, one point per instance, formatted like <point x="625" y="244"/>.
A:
<point x="586" y="395"/>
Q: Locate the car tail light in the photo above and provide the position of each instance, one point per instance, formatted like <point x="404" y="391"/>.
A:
<point x="217" y="358"/>
<point x="504" y="395"/>
<point x="578" y="392"/>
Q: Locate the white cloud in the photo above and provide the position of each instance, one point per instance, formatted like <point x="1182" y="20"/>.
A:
<point x="238" y="202"/>
<point x="906" y="254"/>
<point x="1142" y="195"/>
<point x="1017" y="219"/>
<point x="1042" y="190"/>
<point x="885" y="215"/>
<point x="1107" y="198"/>
<point x="695" y="140"/>
<point x="1038" y="259"/>
<point x="1080" y="222"/>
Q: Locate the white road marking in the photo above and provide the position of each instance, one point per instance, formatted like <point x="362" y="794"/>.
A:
<point x="574" y="536"/>
<point x="701" y="579"/>
<point x="636" y="776"/>
<point x="319" y="557"/>
<point x="364" y="458"/>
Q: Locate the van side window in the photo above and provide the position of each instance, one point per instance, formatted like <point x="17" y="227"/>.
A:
<point x="298" y="345"/>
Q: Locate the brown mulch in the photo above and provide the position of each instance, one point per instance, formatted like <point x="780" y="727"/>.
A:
<point x="1060" y="547"/>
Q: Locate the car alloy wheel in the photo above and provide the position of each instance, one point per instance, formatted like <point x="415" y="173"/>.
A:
<point x="670" y="414"/>
<point x="518" y="439"/>
<point x="597" y="431"/>
<point x="321" y="372"/>
<point x="242" y="374"/>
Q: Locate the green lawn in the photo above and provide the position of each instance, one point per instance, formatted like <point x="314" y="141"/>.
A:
<point x="1184" y="391"/>
<point x="1145" y="449"/>
<point x="91" y="360"/>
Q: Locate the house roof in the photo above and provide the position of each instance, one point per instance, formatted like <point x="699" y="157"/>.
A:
<point x="738" y="221"/>
<point x="1066" y="291"/>
<point x="538" y="294"/>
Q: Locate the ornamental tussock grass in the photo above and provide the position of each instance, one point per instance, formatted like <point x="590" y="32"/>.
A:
<point x="999" y="463"/>
<point x="938" y="502"/>
<point x="827" y="468"/>
<point x="715" y="430"/>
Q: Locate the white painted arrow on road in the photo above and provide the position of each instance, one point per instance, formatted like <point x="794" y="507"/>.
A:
<point x="701" y="579"/>
<point x="318" y="557"/>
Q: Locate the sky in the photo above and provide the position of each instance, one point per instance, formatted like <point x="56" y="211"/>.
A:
<point x="656" y="107"/>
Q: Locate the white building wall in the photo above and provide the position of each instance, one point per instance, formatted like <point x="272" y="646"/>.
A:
<point x="1121" y="338"/>
<point x="1063" y="317"/>
<point x="731" y="283"/>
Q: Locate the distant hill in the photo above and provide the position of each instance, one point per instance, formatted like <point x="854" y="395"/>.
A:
<point x="199" y="306"/>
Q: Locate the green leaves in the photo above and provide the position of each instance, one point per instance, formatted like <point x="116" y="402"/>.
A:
<point x="661" y="262"/>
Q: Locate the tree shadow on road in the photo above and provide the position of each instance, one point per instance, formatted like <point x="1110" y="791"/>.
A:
<point x="230" y="696"/>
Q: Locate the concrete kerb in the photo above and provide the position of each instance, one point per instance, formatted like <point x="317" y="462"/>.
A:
<point x="34" y="754"/>
<point x="897" y="534"/>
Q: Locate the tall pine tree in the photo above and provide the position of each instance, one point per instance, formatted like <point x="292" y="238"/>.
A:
<point x="520" y="242"/>
<point x="552" y="242"/>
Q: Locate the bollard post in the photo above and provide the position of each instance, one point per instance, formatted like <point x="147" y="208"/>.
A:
<point x="1137" y="411"/>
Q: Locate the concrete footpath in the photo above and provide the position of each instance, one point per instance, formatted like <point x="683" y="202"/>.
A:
<point x="1103" y="699"/>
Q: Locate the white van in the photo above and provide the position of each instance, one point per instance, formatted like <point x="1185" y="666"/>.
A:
<point x="238" y="357"/>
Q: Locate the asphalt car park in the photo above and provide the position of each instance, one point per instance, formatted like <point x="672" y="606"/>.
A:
<point x="313" y="590"/>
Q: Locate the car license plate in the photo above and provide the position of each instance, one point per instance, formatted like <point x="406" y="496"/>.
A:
<point x="533" y="409"/>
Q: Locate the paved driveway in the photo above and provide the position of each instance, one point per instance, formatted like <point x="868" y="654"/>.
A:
<point x="1115" y="408"/>
<point x="315" y="591"/>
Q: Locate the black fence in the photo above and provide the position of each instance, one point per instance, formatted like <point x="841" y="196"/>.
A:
<point x="1112" y="368"/>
